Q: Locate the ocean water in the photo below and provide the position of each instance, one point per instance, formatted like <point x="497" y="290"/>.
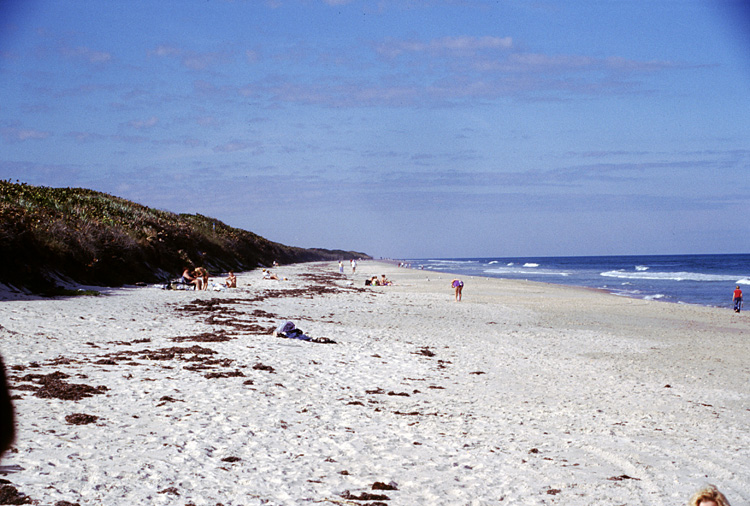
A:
<point x="707" y="280"/>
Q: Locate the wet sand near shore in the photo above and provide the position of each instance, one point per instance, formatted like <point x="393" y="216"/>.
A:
<point x="522" y="393"/>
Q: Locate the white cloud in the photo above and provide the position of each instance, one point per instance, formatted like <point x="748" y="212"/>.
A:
<point x="463" y="44"/>
<point x="86" y="54"/>
<point x="235" y="145"/>
<point x="165" y="51"/>
<point x="191" y="59"/>
<point x="14" y="134"/>
<point x="147" y="123"/>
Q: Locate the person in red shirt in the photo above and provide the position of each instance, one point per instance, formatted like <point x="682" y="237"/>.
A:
<point x="737" y="299"/>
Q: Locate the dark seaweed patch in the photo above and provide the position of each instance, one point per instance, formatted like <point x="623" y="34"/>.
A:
<point x="81" y="419"/>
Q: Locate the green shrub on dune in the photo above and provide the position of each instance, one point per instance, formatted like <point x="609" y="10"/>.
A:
<point x="88" y="237"/>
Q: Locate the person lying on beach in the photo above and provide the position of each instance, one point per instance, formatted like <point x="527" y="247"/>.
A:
<point x="269" y="275"/>
<point x="290" y="331"/>
<point x="708" y="496"/>
<point x="458" y="285"/>
<point x="188" y="279"/>
<point x="231" y="280"/>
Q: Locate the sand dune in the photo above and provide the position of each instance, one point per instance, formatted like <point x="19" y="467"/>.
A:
<point x="522" y="394"/>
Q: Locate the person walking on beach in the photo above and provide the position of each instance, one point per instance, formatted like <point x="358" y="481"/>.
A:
<point x="458" y="285"/>
<point x="737" y="299"/>
<point x="354" y="266"/>
<point x="341" y="266"/>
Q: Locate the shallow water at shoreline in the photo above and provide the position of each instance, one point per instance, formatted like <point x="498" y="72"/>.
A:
<point x="707" y="280"/>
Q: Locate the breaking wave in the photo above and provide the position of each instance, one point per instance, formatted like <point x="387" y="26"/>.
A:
<point x="669" y="276"/>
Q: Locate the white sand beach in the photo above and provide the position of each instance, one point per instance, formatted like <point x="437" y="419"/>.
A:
<point x="521" y="394"/>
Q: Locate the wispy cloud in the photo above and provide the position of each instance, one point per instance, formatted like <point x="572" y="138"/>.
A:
<point x="86" y="54"/>
<point x="86" y="136"/>
<point x="18" y="134"/>
<point x="193" y="60"/>
<point x="145" y="123"/>
<point x="463" y="44"/>
<point x="237" y="145"/>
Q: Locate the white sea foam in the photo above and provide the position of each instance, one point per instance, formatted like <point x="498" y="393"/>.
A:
<point x="505" y="271"/>
<point x="743" y="281"/>
<point x="656" y="296"/>
<point x="452" y="262"/>
<point x="493" y="262"/>
<point x="668" y="276"/>
<point x="641" y="267"/>
<point x="530" y="264"/>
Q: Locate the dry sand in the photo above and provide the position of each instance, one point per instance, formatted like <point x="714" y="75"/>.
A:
<point x="523" y="393"/>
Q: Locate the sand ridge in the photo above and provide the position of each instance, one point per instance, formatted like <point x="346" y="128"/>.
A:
<point x="523" y="393"/>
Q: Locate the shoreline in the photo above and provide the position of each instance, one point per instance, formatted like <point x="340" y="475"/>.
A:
<point x="523" y="393"/>
<point x="662" y="296"/>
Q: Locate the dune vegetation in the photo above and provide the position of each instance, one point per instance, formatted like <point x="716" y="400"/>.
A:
<point x="54" y="236"/>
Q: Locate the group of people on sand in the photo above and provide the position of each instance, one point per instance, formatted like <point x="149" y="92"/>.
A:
<point x="199" y="278"/>
<point x="375" y="281"/>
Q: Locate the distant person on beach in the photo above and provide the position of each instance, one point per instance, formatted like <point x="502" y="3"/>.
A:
<point x="7" y="423"/>
<point x="384" y="281"/>
<point x="737" y="299"/>
<point x="231" y="280"/>
<point x="188" y="279"/>
<point x="341" y="266"/>
<point x="458" y="286"/>
<point x="708" y="496"/>
<point x="354" y="266"/>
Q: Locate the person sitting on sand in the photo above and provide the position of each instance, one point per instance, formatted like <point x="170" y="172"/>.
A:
<point x="458" y="285"/>
<point x="188" y="279"/>
<point x="708" y="496"/>
<point x="384" y="281"/>
<point x="231" y="280"/>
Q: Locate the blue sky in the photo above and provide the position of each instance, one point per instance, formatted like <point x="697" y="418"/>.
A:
<point x="402" y="128"/>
